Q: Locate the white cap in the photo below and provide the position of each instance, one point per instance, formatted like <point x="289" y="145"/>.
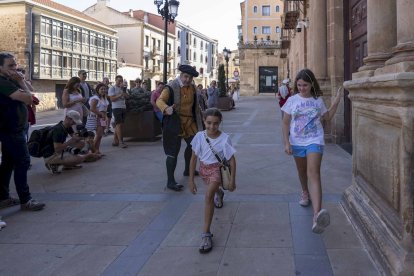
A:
<point x="285" y="81"/>
<point x="75" y="116"/>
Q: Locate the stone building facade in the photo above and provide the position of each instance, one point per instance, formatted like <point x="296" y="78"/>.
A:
<point x="262" y="63"/>
<point x="368" y="47"/>
<point x="52" y="42"/>
<point x="199" y="50"/>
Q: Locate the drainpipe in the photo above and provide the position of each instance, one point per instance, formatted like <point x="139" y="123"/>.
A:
<point x="29" y="50"/>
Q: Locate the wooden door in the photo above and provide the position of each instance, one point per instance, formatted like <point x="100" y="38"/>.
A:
<point x="355" y="20"/>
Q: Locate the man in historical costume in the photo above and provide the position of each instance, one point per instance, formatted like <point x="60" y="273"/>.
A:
<point x="187" y="123"/>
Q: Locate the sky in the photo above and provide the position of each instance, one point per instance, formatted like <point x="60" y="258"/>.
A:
<point x="218" y="19"/>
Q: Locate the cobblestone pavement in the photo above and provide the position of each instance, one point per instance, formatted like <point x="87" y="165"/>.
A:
<point x="114" y="217"/>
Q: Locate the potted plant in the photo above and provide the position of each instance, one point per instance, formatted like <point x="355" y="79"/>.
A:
<point x="140" y="122"/>
<point x="224" y="101"/>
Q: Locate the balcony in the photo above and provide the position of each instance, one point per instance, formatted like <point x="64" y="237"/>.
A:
<point x="170" y="55"/>
<point x="260" y="43"/>
<point x="156" y="70"/>
<point x="291" y="15"/>
<point x="155" y="52"/>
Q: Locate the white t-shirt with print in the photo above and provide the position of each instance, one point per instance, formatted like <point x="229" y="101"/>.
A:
<point x="222" y="145"/>
<point x="305" y="127"/>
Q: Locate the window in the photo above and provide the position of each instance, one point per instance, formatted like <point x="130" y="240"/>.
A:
<point x="85" y="41"/>
<point x="277" y="9"/>
<point x="255" y="9"/>
<point x="146" y="41"/>
<point x="100" y="43"/>
<point x="265" y="30"/>
<point x="277" y="29"/>
<point x="77" y="38"/>
<point x="194" y="56"/>
<point x="154" y="43"/>
<point x="67" y="37"/>
<point x="93" y="43"/>
<point x="201" y="58"/>
<point x="146" y="62"/>
<point x="45" y="62"/>
<point x="178" y="50"/>
<point x="46" y="27"/>
<point x="255" y="30"/>
<point x="57" y="64"/>
<point x="76" y="62"/>
<point x="201" y="45"/>
<point x="178" y="35"/>
<point x="159" y="45"/>
<point x="57" y="34"/>
<point x="265" y="10"/>
<point x="195" y="42"/>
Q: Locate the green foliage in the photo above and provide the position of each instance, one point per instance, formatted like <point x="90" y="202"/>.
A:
<point x="221" y="82"/>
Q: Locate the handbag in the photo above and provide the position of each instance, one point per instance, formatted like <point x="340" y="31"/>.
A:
<point x="91" y="122"/>
<point x="225" y="166"/>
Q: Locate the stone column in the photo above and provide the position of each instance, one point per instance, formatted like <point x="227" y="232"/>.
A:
<point x="381" y="28"/>
<point x="380" y="200"/>
<point x="317" y="41"/>
<point x="404" y="51"/>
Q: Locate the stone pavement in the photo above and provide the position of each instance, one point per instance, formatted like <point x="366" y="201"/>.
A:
<point x="114" y="217"/>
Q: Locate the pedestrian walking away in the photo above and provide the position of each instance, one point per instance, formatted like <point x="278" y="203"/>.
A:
<point x="203" y="144"/>
<point x="15" y="158"/>
<point x="181" y="119"/>
<point x="283" y="93"/>
<point x="304" y="139"/>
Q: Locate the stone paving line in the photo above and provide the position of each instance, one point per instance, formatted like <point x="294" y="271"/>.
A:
<point x="101" y="221"/>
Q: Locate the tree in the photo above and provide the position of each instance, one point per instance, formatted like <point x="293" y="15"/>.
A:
<point x="222" y="81"/>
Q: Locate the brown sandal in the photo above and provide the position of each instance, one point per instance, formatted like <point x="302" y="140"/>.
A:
<point x="206" y="243"/>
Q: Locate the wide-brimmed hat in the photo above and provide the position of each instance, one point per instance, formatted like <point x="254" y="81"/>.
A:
<point x="188" y="70"/>
<point x="75" y="116"/>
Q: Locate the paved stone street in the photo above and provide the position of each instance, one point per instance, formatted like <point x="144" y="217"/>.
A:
<point x="114" y="217"/>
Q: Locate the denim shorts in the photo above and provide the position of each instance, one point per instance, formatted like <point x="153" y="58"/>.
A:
<point x="303" y="151"/>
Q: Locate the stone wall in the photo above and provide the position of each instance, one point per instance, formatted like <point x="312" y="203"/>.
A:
<point x="250" y="61"/>
<point x="14" y="39"/>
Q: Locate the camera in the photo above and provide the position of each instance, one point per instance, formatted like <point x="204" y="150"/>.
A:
<point x="81" y="131"/>
<point x="302" y="23"/>
<point x="72" y="150"/>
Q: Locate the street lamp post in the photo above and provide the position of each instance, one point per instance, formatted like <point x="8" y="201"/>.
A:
<point x="168" y="13"/>
<point x="227" y="54"/>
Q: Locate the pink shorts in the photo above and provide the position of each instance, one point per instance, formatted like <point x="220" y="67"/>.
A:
<point x="210" y="173"/>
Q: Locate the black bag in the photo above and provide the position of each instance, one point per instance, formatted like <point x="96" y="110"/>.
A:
<point x="171" y="127"/>
<point x="38" y="141"/>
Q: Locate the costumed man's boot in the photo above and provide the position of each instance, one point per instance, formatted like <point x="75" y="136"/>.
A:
<point x="187" y="157"/>
<point x="171" y="163"/>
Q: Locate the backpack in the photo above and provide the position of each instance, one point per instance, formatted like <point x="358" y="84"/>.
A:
<point x="38" y="141"/>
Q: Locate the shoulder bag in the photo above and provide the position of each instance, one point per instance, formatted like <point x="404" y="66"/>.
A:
<point x="225" y="166"/>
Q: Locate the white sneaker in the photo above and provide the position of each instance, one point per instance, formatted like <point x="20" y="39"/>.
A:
<point x="304" y="199"/>
<point x="2" y="224"/>
<point x="321" y="221"/>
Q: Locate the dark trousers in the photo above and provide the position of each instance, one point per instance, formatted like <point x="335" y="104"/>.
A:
<point x="171" y="161"/>
<point x="15" y="158"/>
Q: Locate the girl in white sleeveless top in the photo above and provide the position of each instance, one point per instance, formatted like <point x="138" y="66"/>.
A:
<point x="72" y="98"/>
